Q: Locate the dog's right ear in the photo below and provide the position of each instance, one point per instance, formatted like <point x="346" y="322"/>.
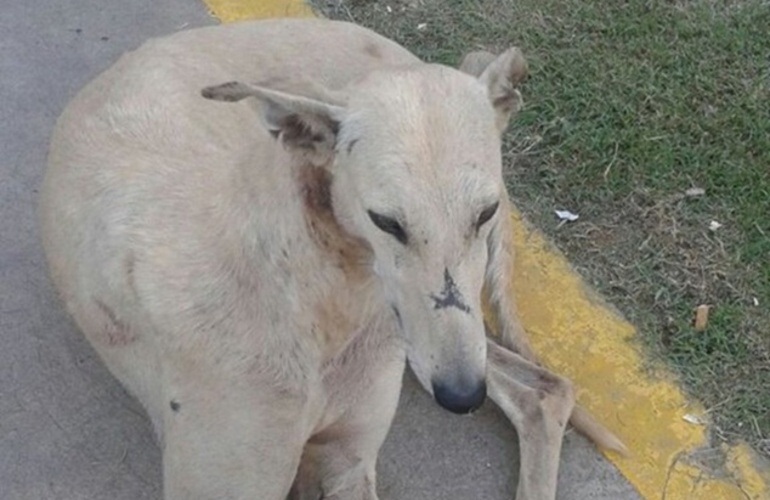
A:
<point x="305" y="125"/>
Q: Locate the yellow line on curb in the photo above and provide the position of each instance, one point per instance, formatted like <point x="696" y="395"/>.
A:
<point x="236" y="10"/>
<point x="577" y="335"/>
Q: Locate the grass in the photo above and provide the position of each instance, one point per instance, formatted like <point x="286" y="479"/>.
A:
<point x="630" y="104"/>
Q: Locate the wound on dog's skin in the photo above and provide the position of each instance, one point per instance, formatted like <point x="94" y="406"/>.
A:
<point x="450" y="296"/>
<point x="175" y="406"/>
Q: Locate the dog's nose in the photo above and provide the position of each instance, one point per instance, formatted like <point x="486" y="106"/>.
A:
<point x="460" y="398"/>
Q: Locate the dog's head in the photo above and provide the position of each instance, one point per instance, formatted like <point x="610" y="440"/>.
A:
<point x="414" y="157"/>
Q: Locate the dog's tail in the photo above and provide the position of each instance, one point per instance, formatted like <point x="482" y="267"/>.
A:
<point x="587" y="425"/>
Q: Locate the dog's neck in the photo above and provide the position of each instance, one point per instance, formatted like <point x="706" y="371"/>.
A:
<point x="344" y="312"/>
<point x="351" y="254"/>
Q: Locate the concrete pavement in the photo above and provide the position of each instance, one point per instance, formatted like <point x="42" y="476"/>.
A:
<point x="67" y="429"/>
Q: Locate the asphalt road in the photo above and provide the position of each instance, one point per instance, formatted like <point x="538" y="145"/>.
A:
<point x="67" y="429"/>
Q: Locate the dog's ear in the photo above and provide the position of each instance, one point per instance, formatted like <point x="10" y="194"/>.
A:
<point x="307" y="126"/>
<point x="474" y="63"/>
<point x="501" y="76"/>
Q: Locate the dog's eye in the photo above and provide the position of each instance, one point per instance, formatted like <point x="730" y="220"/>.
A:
<point x="486" y="215"/>
<point x="389" y="225"/>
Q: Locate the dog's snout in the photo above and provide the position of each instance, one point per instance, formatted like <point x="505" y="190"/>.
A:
<point x="462" y="397"/>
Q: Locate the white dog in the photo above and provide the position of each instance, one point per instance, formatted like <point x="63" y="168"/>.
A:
<point x="258" y="273"/>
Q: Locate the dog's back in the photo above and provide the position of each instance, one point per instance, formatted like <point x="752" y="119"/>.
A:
<point x="157" y="201"/>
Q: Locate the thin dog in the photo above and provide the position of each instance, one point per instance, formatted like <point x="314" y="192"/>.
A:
<point x="258" y="225"/>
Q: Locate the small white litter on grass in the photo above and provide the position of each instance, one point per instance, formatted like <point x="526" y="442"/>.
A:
<point x="388" y="9"/>
<point x="693" y="419"/>
<point x="695" y="192"/>
<point x="755" y="301"/>
<point x="422" y="26"/>
<point x="566" y="215"/>
<point x="714" y="225"/>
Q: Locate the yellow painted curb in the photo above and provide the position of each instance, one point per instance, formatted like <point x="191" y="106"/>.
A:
<point x="236" y="10"/>
<point x="577" y="335"/>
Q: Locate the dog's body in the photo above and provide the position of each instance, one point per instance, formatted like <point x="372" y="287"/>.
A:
<point x="258" y="273"/>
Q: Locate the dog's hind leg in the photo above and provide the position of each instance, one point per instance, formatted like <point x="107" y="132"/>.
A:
<point x="229" y="439"/>
<point x="539" y="404"/>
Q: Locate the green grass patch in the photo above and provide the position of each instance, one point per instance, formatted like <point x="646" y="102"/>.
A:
<point x="628" y="105"/>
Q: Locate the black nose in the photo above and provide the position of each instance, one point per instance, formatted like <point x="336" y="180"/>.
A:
<point x="460" y="398"/>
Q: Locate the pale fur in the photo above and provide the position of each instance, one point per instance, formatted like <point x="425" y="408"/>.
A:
<point x="235" y="284"/>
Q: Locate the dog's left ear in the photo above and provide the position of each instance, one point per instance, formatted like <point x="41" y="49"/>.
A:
<point x="501" y="76"/>
<point x="306" y="126"/>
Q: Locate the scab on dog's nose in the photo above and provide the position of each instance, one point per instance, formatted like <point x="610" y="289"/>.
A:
<point x="460" y="398"/>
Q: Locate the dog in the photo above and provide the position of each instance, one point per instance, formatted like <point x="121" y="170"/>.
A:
<point x="259" y="225"/>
